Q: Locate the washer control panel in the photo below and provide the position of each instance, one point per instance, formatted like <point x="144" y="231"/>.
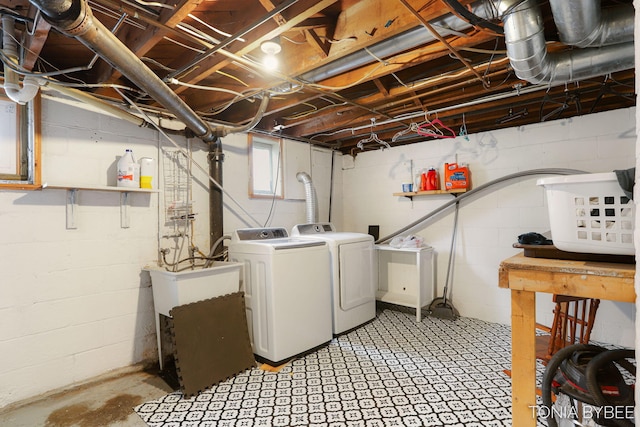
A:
<point x="261" y="233"/>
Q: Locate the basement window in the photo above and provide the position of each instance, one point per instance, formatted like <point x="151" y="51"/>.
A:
<point x="19" y="144"/>
<point x="265" y="167"/>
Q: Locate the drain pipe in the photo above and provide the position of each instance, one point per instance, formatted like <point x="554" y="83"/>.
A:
<point x="216" y="159"/>
<point x="11" y="85"/>
<point x="310" y="195"/>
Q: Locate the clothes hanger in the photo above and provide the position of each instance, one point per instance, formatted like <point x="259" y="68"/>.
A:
<point x="463" y="129"/>
<point x="563" y="105"/>
<point x="607" y="89"/>
<point x="436" y="129"/>
<point x="413" y="127"/>
<point x="372" y="138"/>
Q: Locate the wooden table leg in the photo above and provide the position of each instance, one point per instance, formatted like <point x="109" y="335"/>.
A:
<point x="523" y="358"/>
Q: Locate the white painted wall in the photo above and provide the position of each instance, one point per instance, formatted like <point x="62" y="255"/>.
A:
<point x="488" y="226"/>
<point x="74" y="303"/>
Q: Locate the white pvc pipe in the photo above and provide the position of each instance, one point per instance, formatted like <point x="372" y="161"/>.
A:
<point x="11" y="86"/>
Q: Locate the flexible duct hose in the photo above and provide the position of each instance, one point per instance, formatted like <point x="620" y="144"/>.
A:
<point x="310" y="194"/>
<point x="480" y="189"/>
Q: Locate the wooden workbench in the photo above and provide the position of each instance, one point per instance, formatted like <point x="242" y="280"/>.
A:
<point x="526" y="276"/>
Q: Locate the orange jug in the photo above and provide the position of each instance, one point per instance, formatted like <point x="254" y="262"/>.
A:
<point x="432" y="181"/>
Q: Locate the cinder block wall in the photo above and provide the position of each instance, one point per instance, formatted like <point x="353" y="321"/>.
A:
<point x="75" y="303"/>
<point x="489" y="225"/>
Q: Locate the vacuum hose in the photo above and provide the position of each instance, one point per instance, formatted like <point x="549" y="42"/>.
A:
<point x="480" y="189"/>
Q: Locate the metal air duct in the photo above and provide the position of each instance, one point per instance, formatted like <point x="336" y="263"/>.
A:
<point x="580" y="23"/>
<point x="310" y="195"/>
<point x="527" y="50"/>
<point x="583" y="23"/>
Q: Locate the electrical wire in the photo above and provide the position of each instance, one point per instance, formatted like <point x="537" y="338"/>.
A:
<point x="202" y="169"/>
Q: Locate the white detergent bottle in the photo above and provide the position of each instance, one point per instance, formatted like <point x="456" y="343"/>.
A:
<point x="128" y="171"/>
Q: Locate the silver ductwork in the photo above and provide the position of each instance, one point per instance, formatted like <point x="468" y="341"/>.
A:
<point x="583" y="23"/>
<point x="580" y="23"/>
<point x="310" y="196"/>
<point x="527" y="50"/>
<point x="11" y="85"/>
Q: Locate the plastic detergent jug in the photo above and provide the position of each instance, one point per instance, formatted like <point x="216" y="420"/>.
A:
<point x="432" y="181"/>
<point x="456" y="176"/>
<point x="128" y="171"/>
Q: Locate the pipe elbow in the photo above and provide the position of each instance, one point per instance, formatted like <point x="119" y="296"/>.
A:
<point x="26" y="93"/>
<point x="303" y="177"/>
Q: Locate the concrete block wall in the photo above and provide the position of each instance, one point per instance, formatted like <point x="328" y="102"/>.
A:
<point x="75" y="303"/>
<point x="489" y="225"/>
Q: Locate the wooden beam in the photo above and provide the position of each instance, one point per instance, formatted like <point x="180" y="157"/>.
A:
<point x="35" y="42"/>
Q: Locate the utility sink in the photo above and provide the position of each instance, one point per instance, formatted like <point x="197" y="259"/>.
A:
<point x="171" y="289"/>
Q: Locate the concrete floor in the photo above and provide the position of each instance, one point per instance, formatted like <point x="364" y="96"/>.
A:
<point x="108" y="401"/>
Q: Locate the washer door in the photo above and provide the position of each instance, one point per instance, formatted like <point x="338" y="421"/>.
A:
<point x="356" y="274"/>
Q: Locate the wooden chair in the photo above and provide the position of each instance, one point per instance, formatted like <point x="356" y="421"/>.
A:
<point x="573" y="319"/>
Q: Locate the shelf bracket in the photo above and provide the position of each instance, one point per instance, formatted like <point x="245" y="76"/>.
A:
<point x="124" y="209"/>
<point x="72" y="207"/>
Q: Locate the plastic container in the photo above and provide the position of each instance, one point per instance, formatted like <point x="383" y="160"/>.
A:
<point x="456" y="176"/>
<point x="128" y="171"/>
<point x="590" y="213"/>
<point x="147" y="172"/>
<point x="432" y="181"/>
<point x="407" y="187"/>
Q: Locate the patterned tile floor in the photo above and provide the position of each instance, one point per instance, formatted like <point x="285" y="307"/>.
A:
<point x="390" y="372"/>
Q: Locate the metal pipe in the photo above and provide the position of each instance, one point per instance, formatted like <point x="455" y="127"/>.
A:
<point x="75" y="19"/>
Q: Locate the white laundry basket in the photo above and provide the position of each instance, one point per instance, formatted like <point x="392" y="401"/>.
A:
<point x="590" y="213"/>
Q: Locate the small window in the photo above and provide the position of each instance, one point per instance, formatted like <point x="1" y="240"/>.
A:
<point x="19" y="144"/>
<point x="265" y="167"/>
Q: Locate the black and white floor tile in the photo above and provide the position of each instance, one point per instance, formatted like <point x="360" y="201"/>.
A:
<point x="390" y="372"/>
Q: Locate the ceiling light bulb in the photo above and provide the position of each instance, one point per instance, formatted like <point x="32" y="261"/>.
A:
<point x="271" y="47"/>
<point x="270" y="62"/>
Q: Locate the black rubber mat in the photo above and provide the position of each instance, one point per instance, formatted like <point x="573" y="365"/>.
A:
<point x="211" y="342"/>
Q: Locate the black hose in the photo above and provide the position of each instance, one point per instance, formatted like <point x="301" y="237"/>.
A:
<point x="595" y="365"/>
<point x="550" y="373"/>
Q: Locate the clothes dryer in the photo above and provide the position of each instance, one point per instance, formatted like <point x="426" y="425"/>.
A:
<point x="353" y="273"/>
<point x="287" y="293"/>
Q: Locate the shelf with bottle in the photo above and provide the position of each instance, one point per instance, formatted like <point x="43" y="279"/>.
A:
<point x="430" y="192"/>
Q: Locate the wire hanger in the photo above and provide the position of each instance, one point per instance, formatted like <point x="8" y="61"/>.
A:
<point x="435" y="129"/>
<point x="413" y="127"/>
<point x="372" y="138"/>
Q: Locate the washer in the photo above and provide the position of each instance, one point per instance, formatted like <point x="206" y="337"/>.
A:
<point x="353" y="273"/>
<point x="287" y="294"/>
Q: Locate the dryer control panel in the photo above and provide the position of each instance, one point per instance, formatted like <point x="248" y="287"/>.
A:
<point x="314" y="228"/>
